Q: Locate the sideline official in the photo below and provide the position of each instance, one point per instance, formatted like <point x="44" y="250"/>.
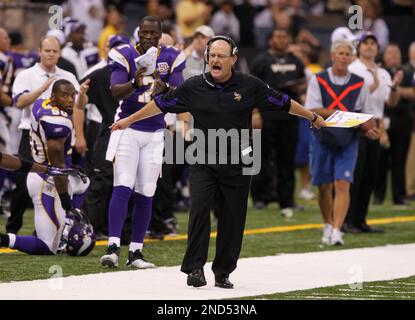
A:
<point x="220" y="99"/>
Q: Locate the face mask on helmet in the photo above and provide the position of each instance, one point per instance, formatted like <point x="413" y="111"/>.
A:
<point x="78" y="236"/>
<point x="81" y="239"/>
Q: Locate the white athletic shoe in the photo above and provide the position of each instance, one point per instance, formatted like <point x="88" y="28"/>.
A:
<point x="287" y="212"/>
<point x="136" y="260"/>
<point x="328" y="228"/>
<point x="306" y="194"/>
<point x="110" y="259"/>
<point x="336" y="238"/>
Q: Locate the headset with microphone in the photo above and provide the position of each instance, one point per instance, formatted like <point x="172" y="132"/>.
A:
<point x="234" y="52"/>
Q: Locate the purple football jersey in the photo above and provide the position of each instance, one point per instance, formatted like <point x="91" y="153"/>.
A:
<point x="48" y="122"/>
<point x="170" y="64"/>
<point x="23" y="61"/>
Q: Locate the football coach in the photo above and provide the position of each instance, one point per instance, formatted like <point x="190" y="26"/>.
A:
<point x="221" y="99"/>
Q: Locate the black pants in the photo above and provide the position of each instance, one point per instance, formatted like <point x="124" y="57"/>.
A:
<point x="365" y="176"/>
<point x="20" y="199"/>
<point x="100" y="190"/>
<point x="92" y="131"/>
<point x="279" y="137"/>
<point x="164" y="198"/>
<point x="226" y="185"/>
<point x="394" y="158"/>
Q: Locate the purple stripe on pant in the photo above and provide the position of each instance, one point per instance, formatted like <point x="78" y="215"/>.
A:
<point x="31" y="245"/>
<point x="48" y="203"/>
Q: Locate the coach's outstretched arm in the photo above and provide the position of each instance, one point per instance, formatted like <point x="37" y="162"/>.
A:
<point x="149" y="110"/>
<point x="298" y="110"/>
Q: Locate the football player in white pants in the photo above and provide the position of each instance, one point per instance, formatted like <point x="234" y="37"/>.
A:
<point x="51" y="141"/>
<point x="137" y="152"/>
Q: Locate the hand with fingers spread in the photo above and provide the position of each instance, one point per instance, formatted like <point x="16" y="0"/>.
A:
<point x="47" y="83"/>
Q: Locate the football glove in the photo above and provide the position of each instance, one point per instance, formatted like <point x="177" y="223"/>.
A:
<point x="52" y="171"/>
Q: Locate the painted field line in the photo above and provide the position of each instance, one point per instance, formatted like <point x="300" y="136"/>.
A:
<point x="296" y="227"/>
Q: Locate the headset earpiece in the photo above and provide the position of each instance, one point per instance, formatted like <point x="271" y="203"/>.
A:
<point x="234" y="48"/>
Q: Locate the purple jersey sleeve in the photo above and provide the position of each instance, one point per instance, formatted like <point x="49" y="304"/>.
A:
<point x="55" y="131"/>
<point x="118" y="75"/>
<point x="119" y="65"/>
<point x="176" y="78"/>
<point x="268" y="98"/>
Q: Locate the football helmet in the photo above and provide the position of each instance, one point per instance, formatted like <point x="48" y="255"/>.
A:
<point x="78" y="236"/>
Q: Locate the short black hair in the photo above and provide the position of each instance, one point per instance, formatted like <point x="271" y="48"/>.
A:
<point x="151" y="19"/>
<point x="16" y="38"/>
<point x="61" y="82"/>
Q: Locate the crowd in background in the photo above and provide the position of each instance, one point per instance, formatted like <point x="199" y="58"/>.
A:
<point x="252" y="24"/>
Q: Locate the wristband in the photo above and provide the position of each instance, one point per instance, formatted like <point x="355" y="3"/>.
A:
<point x="315" y="117"/>
<point x="65" y="201"/>
<point x="26" y="166"/>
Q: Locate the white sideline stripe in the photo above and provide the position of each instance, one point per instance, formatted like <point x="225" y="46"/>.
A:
<point x="254" y="276"/>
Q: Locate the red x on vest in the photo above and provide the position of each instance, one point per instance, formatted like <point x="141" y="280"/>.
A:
<point x="337" y="99"/>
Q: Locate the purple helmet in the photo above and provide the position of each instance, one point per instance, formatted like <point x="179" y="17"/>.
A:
<point x="81" y="239"/>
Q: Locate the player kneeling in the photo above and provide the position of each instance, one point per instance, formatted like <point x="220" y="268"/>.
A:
<point x="59" y="226"/>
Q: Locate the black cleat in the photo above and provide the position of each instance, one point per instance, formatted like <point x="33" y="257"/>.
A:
<point x="110" y="259"/>
<point x="223" y="282"/>
<point x="196" y="278"/>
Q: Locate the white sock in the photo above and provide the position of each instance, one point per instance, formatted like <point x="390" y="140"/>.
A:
<point x="113" y="240"/>
<point x="136" y="246"/>
<point x="336" y="231"/>
<point x="12" y="240"/>
<point x="328" y="228"/>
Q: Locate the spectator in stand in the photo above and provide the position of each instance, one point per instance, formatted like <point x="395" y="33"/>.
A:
<point x="410" y="161"/>
<point x="383" y="90"/>
<point x="373" y="22"/>
<point x="113" y="25"/>
<point x="225" y="22"/>
<point x="399" y="128"/>
<point x="91" y="13"/>
<point x="191" y="14"/>
<point x="245" y="13"/>
<point x="282" y="71"/>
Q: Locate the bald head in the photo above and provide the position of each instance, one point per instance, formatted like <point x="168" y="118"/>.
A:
<point x="49" y="51"/>
<point x="49" y="40"/>
<point x="220" y="60"/>
<point x="4" y="40"/>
